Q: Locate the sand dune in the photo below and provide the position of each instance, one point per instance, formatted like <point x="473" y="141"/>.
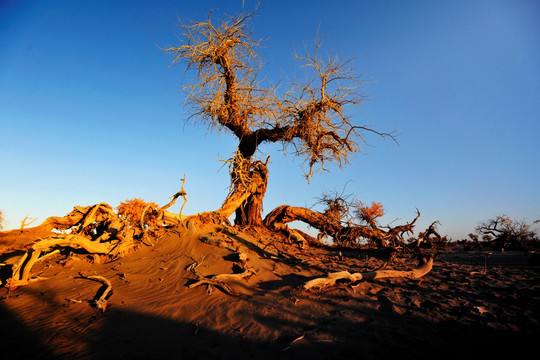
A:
<point x="470" y="304"/>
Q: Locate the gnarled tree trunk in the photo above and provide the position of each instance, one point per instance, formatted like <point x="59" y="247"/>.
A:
<point x="249" y="181"/>
<point x="250" y="212"/>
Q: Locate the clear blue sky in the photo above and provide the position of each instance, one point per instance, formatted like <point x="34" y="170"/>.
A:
<point x="91" y="111"/>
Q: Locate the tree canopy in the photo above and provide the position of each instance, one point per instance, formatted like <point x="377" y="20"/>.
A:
<point x="311" y="117"/>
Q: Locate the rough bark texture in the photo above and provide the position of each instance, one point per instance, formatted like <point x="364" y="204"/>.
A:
<point x="250" y="211"/>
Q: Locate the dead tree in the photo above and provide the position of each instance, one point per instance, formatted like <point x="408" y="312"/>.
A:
<point x="227" y="96"/>
<point x="430" y="238"/>
<point x="310" y="120"/>
<point x="98" y="231"/>
<point x="505" y="233"/>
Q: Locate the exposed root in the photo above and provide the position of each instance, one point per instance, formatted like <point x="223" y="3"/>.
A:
<point x="98" y="230"/>
<point x="332" y="223"/>
<point x="21" y="272"/>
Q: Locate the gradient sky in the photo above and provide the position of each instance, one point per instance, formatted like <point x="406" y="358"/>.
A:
<point x="91" y="111"/>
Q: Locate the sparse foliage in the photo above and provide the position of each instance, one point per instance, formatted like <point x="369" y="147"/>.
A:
<point x="132" y="212"/>
<point x="1" y="219"/>
<point x="227" y="94"/>
<point x="336" y="206"/>
<point x="369" y="214"/>
<point x="502" y="233"/>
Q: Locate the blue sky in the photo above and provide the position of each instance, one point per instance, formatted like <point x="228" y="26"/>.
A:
<point x="91" y="111"/>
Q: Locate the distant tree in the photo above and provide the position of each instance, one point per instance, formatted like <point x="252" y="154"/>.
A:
<point x="1" y="219"/>
<point x="505" y="233"/>
<point x="310" y="119"/>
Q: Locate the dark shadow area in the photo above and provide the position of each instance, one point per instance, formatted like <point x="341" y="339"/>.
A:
<point x="6" y="271"/>
<point x="281" y="256"/>
<point x="233" y="257"/>
<point x="483" y="257"/>
<point x="261" y="252"/>
<point x="18" y="341"/>
<point x="130" y="335"/>
<point x="385" y="334"/>
<point x="8" y="255"/>
<point x="344" y="329"/>
<point x="126" y="334"/>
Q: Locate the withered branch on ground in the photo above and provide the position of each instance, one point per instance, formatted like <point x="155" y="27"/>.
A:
<point x="98" y="230"/>
<point x="221" y="281"/>
<point x="100" y="302"/>
<point x="330" y="225"/>
<point x="344" y="276"/>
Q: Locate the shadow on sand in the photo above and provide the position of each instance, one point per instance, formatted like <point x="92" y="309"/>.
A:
<point x="121" y="334"/>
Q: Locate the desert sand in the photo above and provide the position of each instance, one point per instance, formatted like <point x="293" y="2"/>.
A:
<point x="471" y="304"/>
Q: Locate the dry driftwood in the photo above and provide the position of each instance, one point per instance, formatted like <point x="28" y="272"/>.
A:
<point x="345" y="276"/>
<point x="21" y="272"/>
<point x="96" y="229"/>
<point x="100" y="302"/>
<point x="220" y="281"/>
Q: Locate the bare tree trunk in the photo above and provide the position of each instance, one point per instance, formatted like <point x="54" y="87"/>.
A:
<point x="250" y="212"/>
<point x="252" y="177"/>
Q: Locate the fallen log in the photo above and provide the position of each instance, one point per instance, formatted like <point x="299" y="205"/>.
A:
<point x="345" y="276"/>
<point x="333" y="227"/>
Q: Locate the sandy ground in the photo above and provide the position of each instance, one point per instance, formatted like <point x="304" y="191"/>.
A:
<point x="471" y="304"/>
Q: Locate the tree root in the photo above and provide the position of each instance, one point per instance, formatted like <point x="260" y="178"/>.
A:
<point x="345" y="276"/>
<point x="21" y="272"/>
